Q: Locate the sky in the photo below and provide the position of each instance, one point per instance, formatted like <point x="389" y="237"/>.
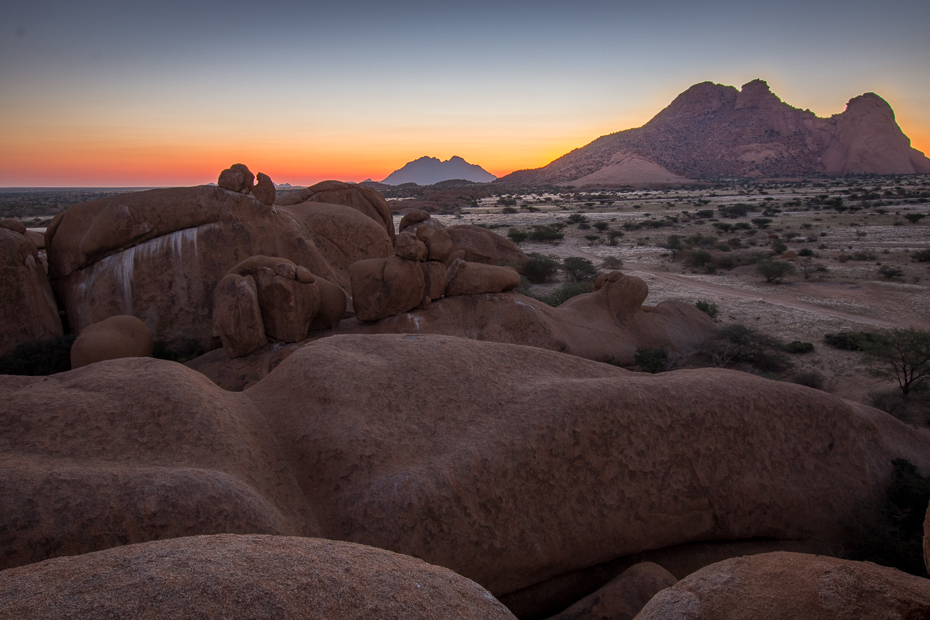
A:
<point x="127" y="93"/>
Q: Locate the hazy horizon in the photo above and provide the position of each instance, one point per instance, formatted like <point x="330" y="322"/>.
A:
<point x="106" y="94"/>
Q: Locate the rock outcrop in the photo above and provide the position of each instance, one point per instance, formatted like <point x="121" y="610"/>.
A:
<point x="119" y="336"/>
<point x="237" y="315"/>
<point x="28" y="311"/>
<point x="383" y="287"/>
<point x="466" y="278"/>
<point x="480" y="245"/>
<point x="792" y="585"/>
<point x="359" y="197"/>
<point x="713" y="131"/>
<point x="227" y="576"/>
<point x="159" y="254"/>
<point x="237" y="178"/>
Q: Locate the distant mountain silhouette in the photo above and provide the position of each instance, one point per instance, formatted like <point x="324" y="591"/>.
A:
<point x="713" y="131"/>
<point x="429" y="170"/>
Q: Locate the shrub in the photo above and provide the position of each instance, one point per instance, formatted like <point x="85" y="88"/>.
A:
<point x="735" y="343"/>
<point x="545" y="233"/>
<point x="614" y="235"/>
<point x="540" y="268"/>
<point x="805" y="252"/>
<point x="922" y="256"/>
<point x="509" y="210"/>
<point x="38" y="358"/>
<point x="517" y="236"/>
<point x="893" y="534"/>
<point x="612" y="262"/>
<point x="913" y="218"/>
<point x="697" y="258"/>
<point x="774" y="270"/>
<point x="707" y="307"/>
<point x="566" y="291"/>
<point x="863" y="256"/>
<point x="797" y="347"/>
<point x="651" y="360"/>
<point x="890" y="272"/>
<point x="592" y="238"/>
<point x="900" y="354"/>
<point x="577" y="269"/>
<point x="761" y="222"/>
<point x="601" y="226"/>
<point x="849" y="341"/>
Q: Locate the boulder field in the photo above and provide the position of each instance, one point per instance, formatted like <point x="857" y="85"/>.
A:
<point x="507" y="464"/>
<point x="160" y="254"/>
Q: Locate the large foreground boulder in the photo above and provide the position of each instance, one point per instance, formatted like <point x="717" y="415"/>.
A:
<point x="792" y="585"/>
<point x="28" y="310"/>
<point x="383" y="287"/>
<point x="509" y="465"/>
<point x="227" y="576"/>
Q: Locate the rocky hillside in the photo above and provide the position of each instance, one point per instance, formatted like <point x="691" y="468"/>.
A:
<point x="715" y="131"/>
<point x="430" y="170"/>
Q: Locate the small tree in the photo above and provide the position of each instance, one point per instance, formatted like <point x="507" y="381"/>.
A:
<point x="774" y="270"/>
<point x="902" y="355"/>
<point x="761" y="222"/>
<point x="577" y="269"/>
<point x="809" y="268"/>
<point x="913" y="218"/>
<point x="890" y="272"/>
<point x="517" y="236"/>
<point x="674" y="245"/>
<point x="541" y="268"/>
<point x="652" y="360"/>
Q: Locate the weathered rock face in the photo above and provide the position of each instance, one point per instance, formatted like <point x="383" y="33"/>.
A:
<point x="716" y="131"/>
<point x="287" y="304"/>
<point x="332" y="305"/>
<point x="383" y="287"/>
<point x="637" y="461"/>
<point x="28" y="310"/>
<point x="412" y="219"/>
<point x="624" y="596"/>
<point x="407" y="246"/>
<point x="363" y="199"/>
<point x="264" y="191"/>
<point x="237" y="178"/>
<point x="160" y="254"/>
<point x="553" y="465"/>
<point x="113" y="338"/>
<point x="481" y="245"/>
<point x="225" y="576"/>
<point x="435" y="279"/>
<point x="437" y="239"/>
<point x="342" y="234"/>
<point x="148" y="450"/>
<point x="792" y="585"/>
<point x="237" y="316"/>
<point x="474" y="278"/>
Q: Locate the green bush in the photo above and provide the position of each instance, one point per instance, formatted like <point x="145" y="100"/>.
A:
<point x="707" y="307"/>
<point x="849" y="341"/>
<point x="922" y="256"/>
<point x="612" y="263"/>
<point x="651" y="360"/>
<point x="577" y="269"/>
<point x="567" y="291"/>
<point x="890" y="272"/>
<point x="546" y="233"/>
<point x="893" y="534"/>
<point x="38" y="358"/>
<point x="798" y="347"/>
<point x="735" y="343"/>
<point x="913" y="218"/>
<point x="541" y="268"/>
<point x="805" y="252"/>
<point x="774" y="270"/>
<point x="601" y="226"/>
<point x="863" y="256"/>
<point x="697" y="259"/>
<point x="517" y="236"/>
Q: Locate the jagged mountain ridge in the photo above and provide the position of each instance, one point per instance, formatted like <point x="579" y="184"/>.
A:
<point x="716" y="131"/>
<point x="430" y="170"/>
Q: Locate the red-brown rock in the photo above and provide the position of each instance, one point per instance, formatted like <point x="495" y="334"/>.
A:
<point x="412" y="219"/>
<point x="132" y="450"/>
<point x="332" y="305"/>
<point x="435" y="279"/>
<point x="406" y="245"/>
<point x="438" y="242"/>
<point x="474" y="279"/>
<point x="343" y="235"/>
<point x="14" y="225"/>
<point x="361" y="198"/>
<point x="264" y="191"/>
<point x="383" y="287"/>
<point x="792" y="585"/>
<point x="237" y="178"/>
<point x="623" y="597"/>
<point x="119" y="336"/>
<point x="287" y="305"/>
<point x="159" y="255"/>
<point x="481" y="245"/>
<point x="28" y="310"/>
<point x="237" y="316"/>
<point x="230" y="576"/>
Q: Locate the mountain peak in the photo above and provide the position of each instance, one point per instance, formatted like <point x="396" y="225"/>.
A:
<point x="430" y="170"/>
